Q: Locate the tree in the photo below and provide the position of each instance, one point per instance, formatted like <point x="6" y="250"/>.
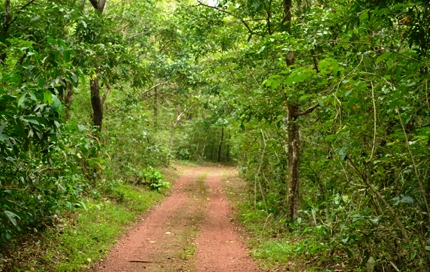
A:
<point x="96" y="101"/>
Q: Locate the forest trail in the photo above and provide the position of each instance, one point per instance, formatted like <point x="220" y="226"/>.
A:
<point x="191" y="230"/>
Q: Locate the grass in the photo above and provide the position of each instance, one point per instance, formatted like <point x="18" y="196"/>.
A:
<point x="91" y="237"/>
<point x="81" y="238"/>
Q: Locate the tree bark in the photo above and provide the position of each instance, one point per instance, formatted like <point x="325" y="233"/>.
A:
<point x="99" y="5"/>
<point x="220" y="145"/>
<point x="292" y="198"/>
<point x="155" y="107"/>
<point x="96" y="103"/>
<point x="286" y="21"/>
<point x="68" y="99"/>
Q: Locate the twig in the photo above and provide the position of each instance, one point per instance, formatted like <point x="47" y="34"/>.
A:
<point x="394" y="266"/>
<point x="143" y="261"/>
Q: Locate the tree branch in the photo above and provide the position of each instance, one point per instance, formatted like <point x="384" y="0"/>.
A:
<point x="8" y="21"/>
<point x="311" y="109"/>
<point x="226" y="12"/>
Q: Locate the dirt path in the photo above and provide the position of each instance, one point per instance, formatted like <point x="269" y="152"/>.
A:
<point x="190" y="231"/>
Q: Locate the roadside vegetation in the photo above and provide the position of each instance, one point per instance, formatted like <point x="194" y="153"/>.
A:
<point x="75" y="241"/>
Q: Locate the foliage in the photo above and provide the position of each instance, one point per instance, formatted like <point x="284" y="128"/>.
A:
<point x="154" y="179"/>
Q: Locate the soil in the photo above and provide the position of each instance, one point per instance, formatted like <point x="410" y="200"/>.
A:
<point x="191" y="230"/>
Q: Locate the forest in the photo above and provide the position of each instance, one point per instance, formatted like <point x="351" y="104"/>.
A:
<point x="323" y="106"/>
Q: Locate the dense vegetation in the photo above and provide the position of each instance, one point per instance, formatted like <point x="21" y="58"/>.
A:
<point x="324" y="106"/>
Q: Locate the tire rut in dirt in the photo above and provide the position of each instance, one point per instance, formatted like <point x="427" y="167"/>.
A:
<point x="219" y="245"/>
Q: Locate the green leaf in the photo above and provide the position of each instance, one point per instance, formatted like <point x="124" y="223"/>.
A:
<point x="56" y="103"/>
<point x="47" y="97"/>
<point x="67" y="56"/>
<point x="2" y="127"/>
<point x="32" y="121"/>
<point x="364" y="15"/>
<point x="383" y="57"/>
<point x="21" y="100"/>
<point x="11" y="216"/>
<point x="407" y="199"/>
<point x="342" y="153"/>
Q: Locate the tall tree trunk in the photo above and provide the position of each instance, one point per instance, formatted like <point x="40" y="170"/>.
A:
<point x="220" y="144"/>
<point x="286" y="21"/>
<point x="292" y="198"/>
<point x="155" y="107"/>
<point x="96" y="103"/>
<point x="96" y="100"/>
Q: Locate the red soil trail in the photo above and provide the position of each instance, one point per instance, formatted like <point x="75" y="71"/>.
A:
<point x="190" y="230"/>
<point x="219" y="246"/>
